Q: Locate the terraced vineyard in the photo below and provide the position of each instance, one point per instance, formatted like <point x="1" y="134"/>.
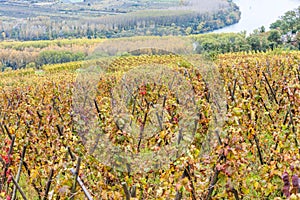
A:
<point x="251" y="151"/>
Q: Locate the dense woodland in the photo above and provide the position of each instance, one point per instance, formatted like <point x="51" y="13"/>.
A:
<point x="185" y="19"/>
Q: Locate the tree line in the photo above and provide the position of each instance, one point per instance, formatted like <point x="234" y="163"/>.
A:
<point x="143" y="23"/>
<point x="34" y="54"/>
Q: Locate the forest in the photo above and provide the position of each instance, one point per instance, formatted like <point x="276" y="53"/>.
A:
<point x="93" y="20"/>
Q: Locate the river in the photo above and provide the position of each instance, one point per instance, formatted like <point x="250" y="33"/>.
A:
<point x="257" y="13"/>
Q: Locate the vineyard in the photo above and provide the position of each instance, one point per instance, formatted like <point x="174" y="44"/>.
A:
<point x="191" y="130"/>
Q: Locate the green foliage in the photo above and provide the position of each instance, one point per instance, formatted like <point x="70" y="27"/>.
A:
<point x="31" y="65"/>
<point x="289" y="22"/>
<point x="221" y="43"/>
<point x="274" y="38"/>
<point x="289" y="26"/>
<point x="53" y="57"/>
<point x="258" y="41"/>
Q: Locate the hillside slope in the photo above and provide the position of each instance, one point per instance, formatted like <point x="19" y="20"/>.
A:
<point x="256" y="142"/>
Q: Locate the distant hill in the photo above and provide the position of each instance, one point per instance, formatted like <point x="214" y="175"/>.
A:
<point x="43" y="20"/>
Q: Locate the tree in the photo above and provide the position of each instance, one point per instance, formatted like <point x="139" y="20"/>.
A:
<point x="262" y="29"/>
<point x="289" y="22"/>
<point x="258" y="40"/>
<point x="291" y="19"/>
<point x="274" y="37"/>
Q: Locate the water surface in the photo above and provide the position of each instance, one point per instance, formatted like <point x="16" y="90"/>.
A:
<point x="257" y="13"/>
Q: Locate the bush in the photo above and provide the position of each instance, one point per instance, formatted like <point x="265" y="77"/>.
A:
<point x="31" y="65"/>
<point x="54" y="57"/>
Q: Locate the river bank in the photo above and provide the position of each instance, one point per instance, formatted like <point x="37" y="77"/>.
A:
<point x="257" y="13"/>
